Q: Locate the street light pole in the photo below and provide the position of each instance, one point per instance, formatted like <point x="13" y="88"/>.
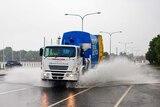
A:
<point x="51" y="41"/>
<point x="125" y="44"/>
<point x="58" y="40"/>
<point x="136" y="51"/>
<point x="3" y="56"/>
<point x="20" y="56"/>
<point x="110" y="34"/>
<point x="12" y="53"/>
<point x="44" y="41"/>
<point x="82" y="17"/>
<point x="131" y="49"/>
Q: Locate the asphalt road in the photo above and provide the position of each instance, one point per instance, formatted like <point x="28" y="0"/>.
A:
<point x="15" y="93"/>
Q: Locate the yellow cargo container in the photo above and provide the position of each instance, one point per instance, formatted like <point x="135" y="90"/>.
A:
<point x="101" y="50"/>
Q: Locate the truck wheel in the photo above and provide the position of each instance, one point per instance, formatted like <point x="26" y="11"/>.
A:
<point x="83" y="71"/>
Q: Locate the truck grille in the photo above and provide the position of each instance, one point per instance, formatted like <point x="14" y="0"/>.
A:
<point x="57" y="76"/>
<point x="55" y="67"/>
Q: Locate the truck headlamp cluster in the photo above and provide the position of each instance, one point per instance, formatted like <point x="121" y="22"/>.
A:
<point x="46" y="75"/>
<point x="69" y="75"/>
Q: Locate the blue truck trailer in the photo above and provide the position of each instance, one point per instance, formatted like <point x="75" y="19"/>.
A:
<point x="91" y="45"/>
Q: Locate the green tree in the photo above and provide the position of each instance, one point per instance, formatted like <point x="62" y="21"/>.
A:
<point x="19" y="55"/>
<point x="8" y="53"/>
<point x="32" y="56"/>
<point x="153" y="54"/>
<point x="157" y="49"/>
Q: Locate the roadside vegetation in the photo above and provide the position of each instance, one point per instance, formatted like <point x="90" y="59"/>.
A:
<point x="153" y="54"/>
<point x="24" y="55"/>
<point x="21" y="55"/>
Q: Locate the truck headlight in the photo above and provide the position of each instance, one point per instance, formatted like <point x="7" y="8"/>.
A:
<point x="69" y="75"/>
<point x="46" y="75"/>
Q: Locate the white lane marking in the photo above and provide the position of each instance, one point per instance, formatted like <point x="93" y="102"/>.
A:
<point x="120" y="100"/>
<point x="69" y="97"/>
<point x="12" y="91"/>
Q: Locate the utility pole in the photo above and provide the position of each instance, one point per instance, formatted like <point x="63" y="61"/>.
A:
<point x="44" y="41"/>
<point x="110" y="34"/>
<point x="3" y="57"/>
<point x="116" y="50"/>
<point x="58" y="40"/>
<point x="20" y="56"/>
<point x="12" y="53"/>
<point x="51" y="41"/>
<point x="125" y="45"/>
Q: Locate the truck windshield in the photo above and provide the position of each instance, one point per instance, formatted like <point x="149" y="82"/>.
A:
<point x="59" y="52"/>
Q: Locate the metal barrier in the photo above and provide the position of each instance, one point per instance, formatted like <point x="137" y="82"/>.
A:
<point x="31" y="64"/>
<point x="2" y="65"/>
<point x="24" y="64"/>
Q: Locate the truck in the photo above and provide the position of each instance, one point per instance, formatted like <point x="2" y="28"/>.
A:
<point x="78" y="52"/>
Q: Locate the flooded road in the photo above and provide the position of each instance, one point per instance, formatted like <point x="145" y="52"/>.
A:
<point x="22" y="87"/>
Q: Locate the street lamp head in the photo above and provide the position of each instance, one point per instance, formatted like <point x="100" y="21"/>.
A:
<point x="59" y="37"/>
<point x="82" y="17"/>
<point x="120" y="31"/>
<point x="125" y="42"/>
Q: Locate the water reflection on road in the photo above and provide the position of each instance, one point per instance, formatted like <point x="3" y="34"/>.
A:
<point x="44" y="99"/>
<point x="71" y="100"/>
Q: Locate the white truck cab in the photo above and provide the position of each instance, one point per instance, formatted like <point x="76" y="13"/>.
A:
<point x="61" y="62"/>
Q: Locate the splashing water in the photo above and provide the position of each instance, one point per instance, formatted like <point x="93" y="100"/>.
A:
<point x="26" y="76"/>
<point x="120" y="71"/>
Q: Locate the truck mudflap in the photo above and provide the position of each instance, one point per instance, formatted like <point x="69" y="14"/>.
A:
<point x="58" y="76"/>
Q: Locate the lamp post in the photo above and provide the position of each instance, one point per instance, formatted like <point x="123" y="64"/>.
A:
<point x="3" y="57"/>
<point x="82" y="17"/>
<point x="58" y="40"/>
<point x="44" y="42"/>
<point x="110" y="34"/>
<point x="51" y="41"/>
<point x="12" y="53"/>
<point x="125" y="44"/>
<point x="20" y="56"/>
<point x="131" y="49"/>
<point x="136" y="51"/>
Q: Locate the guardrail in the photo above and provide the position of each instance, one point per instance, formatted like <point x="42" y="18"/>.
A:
<point x="31" y="64"/>
<point x="2" y="65"/>
<point x="24" y="64"/>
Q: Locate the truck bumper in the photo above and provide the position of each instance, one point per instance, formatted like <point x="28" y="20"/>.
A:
<point x="59" y="76"/>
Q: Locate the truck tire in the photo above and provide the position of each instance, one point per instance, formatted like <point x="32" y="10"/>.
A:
<point x="83" y="70"/>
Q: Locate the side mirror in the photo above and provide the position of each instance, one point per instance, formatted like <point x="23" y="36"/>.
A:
<point x="41" y="52"/>
<point x="82" y="53"/>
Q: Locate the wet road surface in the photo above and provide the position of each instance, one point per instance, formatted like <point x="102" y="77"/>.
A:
<point x="111" y="94"/>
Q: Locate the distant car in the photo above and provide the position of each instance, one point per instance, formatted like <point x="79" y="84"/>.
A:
<point x="13" y="63"/>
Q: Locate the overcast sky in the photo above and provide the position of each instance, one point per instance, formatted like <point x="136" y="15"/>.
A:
<point x="24" y="23"/>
